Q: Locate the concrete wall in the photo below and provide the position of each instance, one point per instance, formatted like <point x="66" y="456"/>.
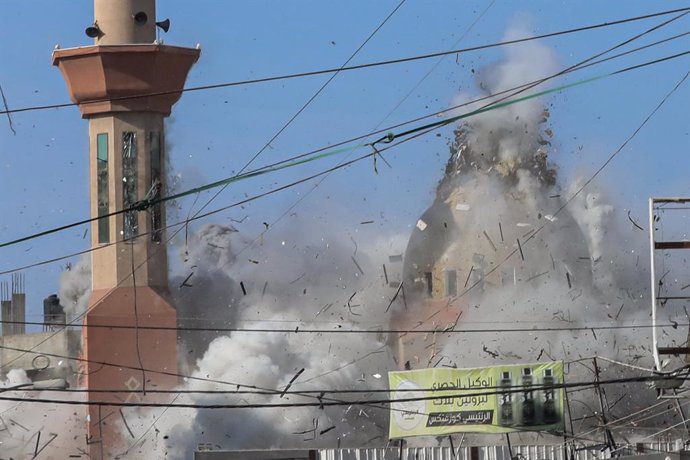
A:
<point x="37" y="363"/>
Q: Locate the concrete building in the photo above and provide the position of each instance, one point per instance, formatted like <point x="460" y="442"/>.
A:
<point x="13" y="304"/>
<point x="125" y="85"/>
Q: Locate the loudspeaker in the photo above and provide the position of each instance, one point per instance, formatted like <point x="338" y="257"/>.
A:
<point x="165" y="25"/>
<point x="93" y="31"/>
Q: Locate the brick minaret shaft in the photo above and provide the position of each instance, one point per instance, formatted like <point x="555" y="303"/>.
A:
<point x="109" y="81"/>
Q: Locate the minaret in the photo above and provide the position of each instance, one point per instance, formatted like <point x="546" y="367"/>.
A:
<point x="125" y="85"/>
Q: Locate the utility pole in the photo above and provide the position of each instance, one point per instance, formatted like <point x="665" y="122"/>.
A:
<point x="603" y="405"/>
<point x="125" y="85"/>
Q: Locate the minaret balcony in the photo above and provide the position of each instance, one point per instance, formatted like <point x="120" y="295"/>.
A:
<point x="105" y="79"/>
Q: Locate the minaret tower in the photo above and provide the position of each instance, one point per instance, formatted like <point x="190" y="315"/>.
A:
<point x="125" y="85"/>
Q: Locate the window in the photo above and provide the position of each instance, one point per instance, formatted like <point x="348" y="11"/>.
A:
<point x="156" y="184"/>
<point x="102" y="188"/>
<point x="451" y="283"/>
<point x="129" y="184"/>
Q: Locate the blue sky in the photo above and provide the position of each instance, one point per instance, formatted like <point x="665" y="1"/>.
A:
<point x="43" y="168"/>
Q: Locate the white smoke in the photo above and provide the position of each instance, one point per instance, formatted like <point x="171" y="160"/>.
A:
<point x="75" y="288"/>
<point x="501" y="221"/>
<point x="305" y="282"/>
<point x="26" y="428"/>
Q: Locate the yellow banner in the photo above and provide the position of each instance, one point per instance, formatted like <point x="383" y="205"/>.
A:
<point x="498" y="399"/>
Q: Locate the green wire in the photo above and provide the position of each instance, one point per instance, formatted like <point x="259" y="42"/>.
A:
<point x="308" y="159"/>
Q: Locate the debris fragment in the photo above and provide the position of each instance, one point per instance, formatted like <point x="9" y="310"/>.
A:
<point x="7" y="111"/>
<point x="500" y="229"/>
<point x="355" y="243"/>
<point x="244" y="290"/>
<point x="297" y="279"/>
<point x="263" y="291"/>
<point x="287" y="387"/>
<point x="18" y="424"/>
<point x="550" y="217"/>
<point x="315" y="426"/>
<point x="468" y="276"/>
<point x="38" y="440"/>
<point x="366" y="222"/>
<point x="129" y="430"/>
<point x="522" y="255"/>
<point x="395" y="296"/>
<point x="184" y="283"/>
<point x="385" y="273"/>
<point x="619" y="312"/>
<point x="395" y="258"/>
<point x="493" y="354"/>
<point x="536" y="276"/>
<point x="462" y="207"/>
<point x="357" y="265"/>
<point x="322" y="432"/>
<point x="633" y="222"/>
<point x="325" y="308"/>
<point x="350" y="306"/>
<point x="493" y="246"/>
<point x="239" y="221"/>
<point x="421" y="225"/>
<point x="253" y="261"/>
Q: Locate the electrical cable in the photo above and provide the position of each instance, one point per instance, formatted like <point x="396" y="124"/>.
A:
<point x="267" y="144"/>
<point x="57" y="259"/>
<point x="565" y="71"/>
<point x="681" y="373"/>
<point x="365" y="65"/>
<point x="338" y="329"/>
<point x="309" y="101"/>
<point x="374" y="131"/>
<point x="269" y="192"/>
<point x="430" y="126"/>
<point x="581" y="188"/>
<point x="557" y="386"/>
<point x="224" y="182"/>
<point x="285" y="126"/>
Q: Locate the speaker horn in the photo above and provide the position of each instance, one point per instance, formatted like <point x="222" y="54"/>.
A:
<point x="93" y="31"/>
<point x="165" y="25"/>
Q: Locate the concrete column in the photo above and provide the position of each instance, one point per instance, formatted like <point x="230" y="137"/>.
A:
<point x="125" y="21"/>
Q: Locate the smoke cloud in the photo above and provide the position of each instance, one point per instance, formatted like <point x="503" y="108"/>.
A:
<point x="75" y="288"/>
<point x="502" y="221"/>
<point x="306" y="281"/>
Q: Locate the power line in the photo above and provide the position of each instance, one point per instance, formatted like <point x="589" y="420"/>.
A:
<point x="297" y="330"/>
<point x="571" y="198"/>
<point x="586" y="183"/>
<point x="365" y="65"/>
<point x="140" y="206"/>
<point x="222" y="209"/>
<point x="224" y="182"/>
<point x="273" y="138"/>
<point x="162" y="247"/>
<point x="322" y="403"/>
